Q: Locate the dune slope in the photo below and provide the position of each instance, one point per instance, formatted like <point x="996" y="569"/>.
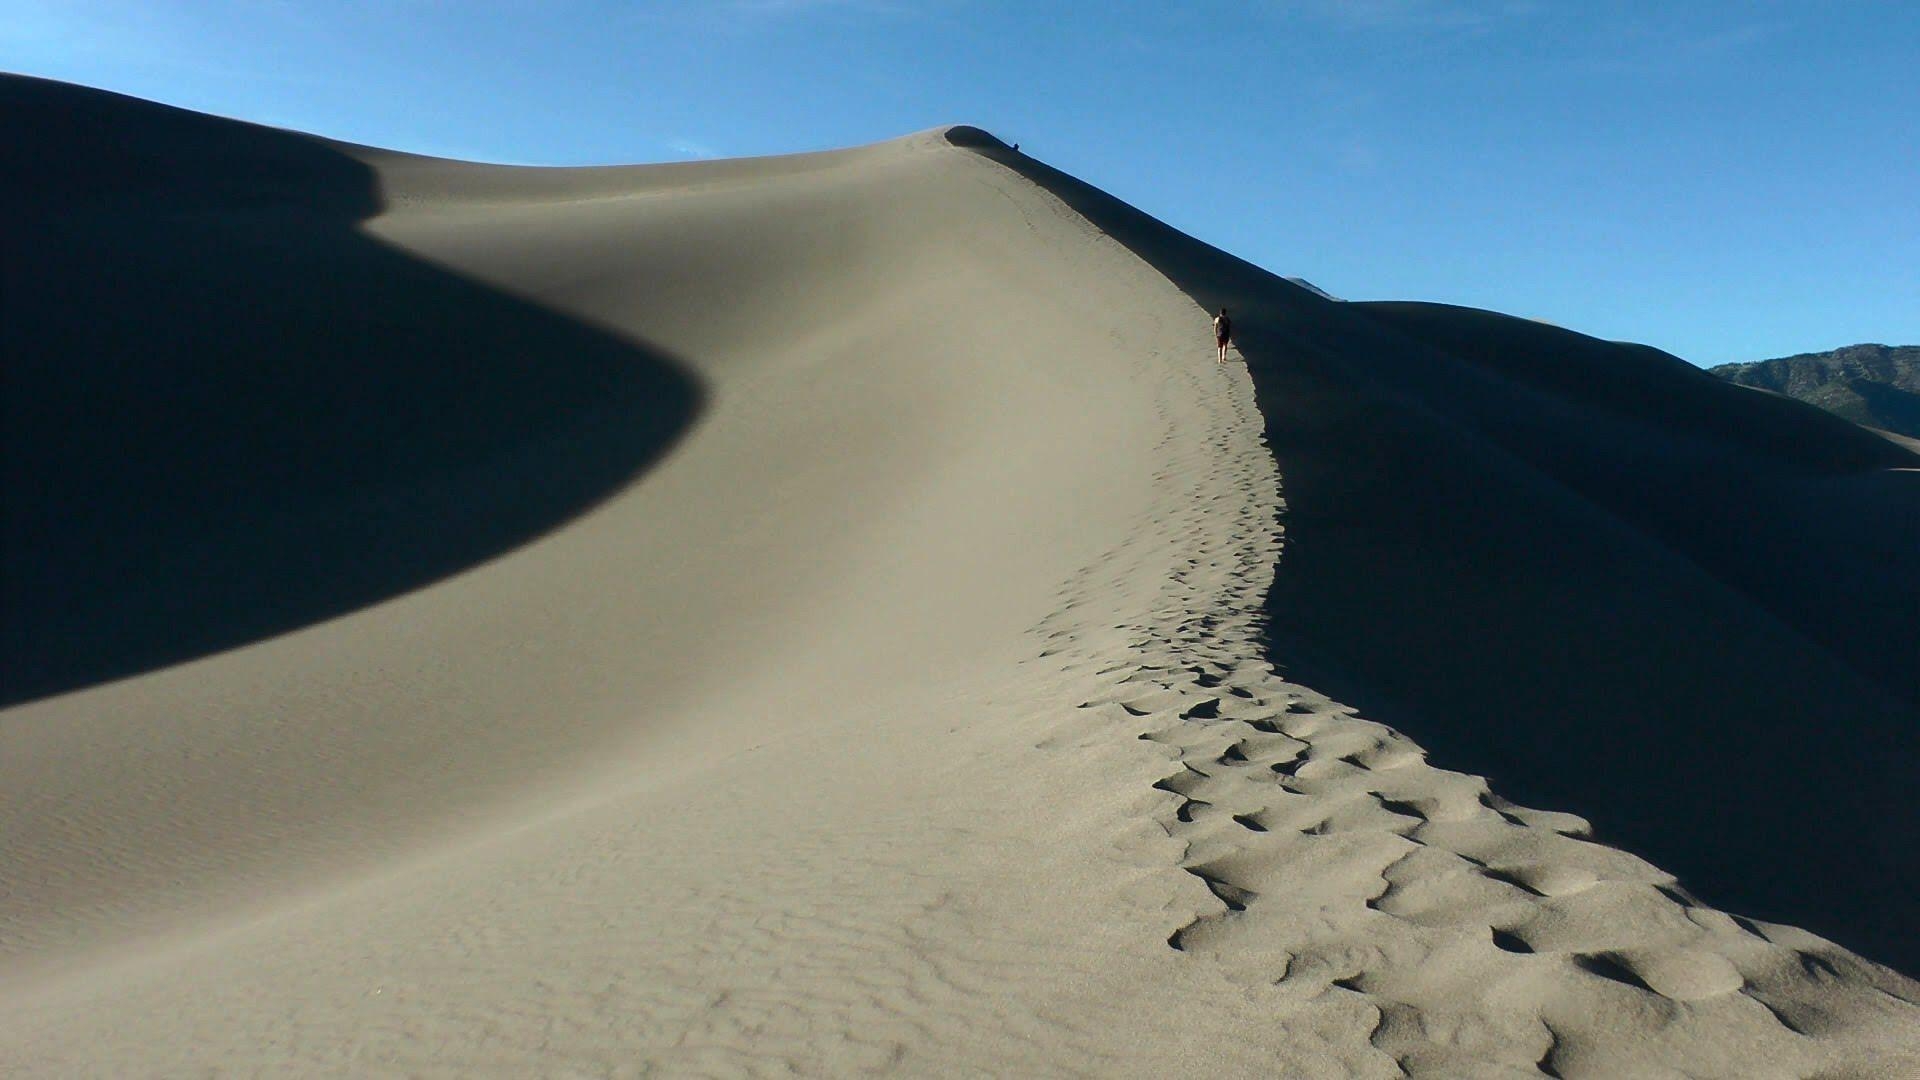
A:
<point x="1601" y="577"/>
<point x="830" y="614"/>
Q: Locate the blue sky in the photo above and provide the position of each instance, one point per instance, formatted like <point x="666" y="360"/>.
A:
<point x="1723" y="180"/>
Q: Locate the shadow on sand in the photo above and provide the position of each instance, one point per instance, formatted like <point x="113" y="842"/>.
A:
<point x="229" y="413"/>
<point x="1603" y="579"/>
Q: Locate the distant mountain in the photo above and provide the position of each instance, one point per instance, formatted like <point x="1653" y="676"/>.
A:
<point x="1875" y="385"/>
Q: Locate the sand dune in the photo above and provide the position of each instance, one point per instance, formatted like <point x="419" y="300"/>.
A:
<point x="830" y="613"/>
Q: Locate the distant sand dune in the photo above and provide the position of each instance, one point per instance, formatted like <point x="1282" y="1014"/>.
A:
<point x="831" y="614"/>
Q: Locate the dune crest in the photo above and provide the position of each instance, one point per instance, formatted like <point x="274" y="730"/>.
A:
<point x="845" y="621"/>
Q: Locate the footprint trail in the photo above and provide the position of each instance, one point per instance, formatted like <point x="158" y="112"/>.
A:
<point x="1342" y="870"/>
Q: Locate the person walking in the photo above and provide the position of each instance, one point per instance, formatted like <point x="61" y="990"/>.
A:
<point x="1222" y="333"/>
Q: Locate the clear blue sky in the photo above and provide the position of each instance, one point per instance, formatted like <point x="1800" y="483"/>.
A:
<point x="1723" y="180"/>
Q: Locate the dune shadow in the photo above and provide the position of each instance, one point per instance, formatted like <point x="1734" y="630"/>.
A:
<point x="229" y="413"/>
<point x="1598" y="577"/>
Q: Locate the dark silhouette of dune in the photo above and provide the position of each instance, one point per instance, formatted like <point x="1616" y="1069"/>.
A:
<point x="229" y="413"/>
<point x="1607" y="580"/>
<point x="1782" y="504"/>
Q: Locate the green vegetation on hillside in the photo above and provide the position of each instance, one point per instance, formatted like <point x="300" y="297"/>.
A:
<point x="1875" y="385"/>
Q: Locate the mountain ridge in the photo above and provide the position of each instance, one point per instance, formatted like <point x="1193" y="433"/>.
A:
<point x="1871" y="384"/>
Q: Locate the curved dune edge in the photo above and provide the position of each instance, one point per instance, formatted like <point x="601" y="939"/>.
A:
<point x="738" y="773"/>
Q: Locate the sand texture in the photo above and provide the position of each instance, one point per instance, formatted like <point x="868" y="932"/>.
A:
<point x="831" y="614"/>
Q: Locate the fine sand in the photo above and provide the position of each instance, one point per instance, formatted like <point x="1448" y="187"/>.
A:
<point x="831" y="614"/>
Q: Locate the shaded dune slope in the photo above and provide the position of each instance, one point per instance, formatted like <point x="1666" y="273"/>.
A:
<point x="230" y="412"/>
<point x="1602" y="578"/>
